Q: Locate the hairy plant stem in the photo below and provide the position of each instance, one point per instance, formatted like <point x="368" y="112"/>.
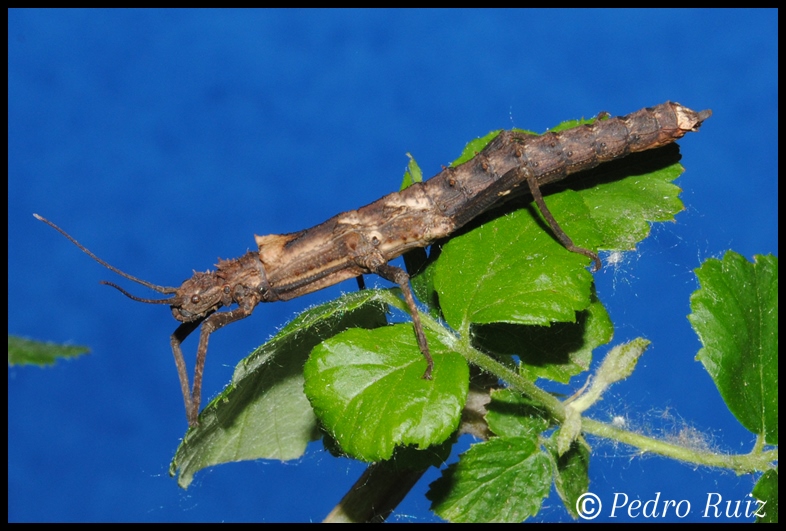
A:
<point x="757" y="460"/>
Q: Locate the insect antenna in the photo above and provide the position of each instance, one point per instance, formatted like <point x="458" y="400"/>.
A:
<point x="160" y="289"/>
<point x="134" y="297"/>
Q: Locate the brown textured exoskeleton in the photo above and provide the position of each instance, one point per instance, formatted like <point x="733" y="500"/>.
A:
<point x="364" y="241"/>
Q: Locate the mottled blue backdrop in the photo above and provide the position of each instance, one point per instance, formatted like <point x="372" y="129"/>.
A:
<point x="165" y="139"/>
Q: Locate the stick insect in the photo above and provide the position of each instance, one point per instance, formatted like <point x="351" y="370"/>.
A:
<point x="365" y="240"/>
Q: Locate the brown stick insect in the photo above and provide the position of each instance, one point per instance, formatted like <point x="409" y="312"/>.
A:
<point x="363" y="241"/>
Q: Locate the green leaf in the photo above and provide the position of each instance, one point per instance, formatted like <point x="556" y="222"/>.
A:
<point x="474" y="147"/>
<point x="570" y="124"/>
<point x="366" y="387"/>
<point x="572" y="472"/>
<point x="264" y="413"/>
<point x="412" y="175"/>
<point x="735" y="314"/>
<point x="513" y="415"/>
<point x="512" y="270"/>
<point x="23" y="351"/>
<point x="766" y="490"/>
<point x="623" y="209"/>
<point x="502" y="480"/>
<point x="421" y="272"/>
<point x="557" y="352"/>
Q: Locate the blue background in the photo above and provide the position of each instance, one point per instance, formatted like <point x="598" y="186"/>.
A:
<point x="165" y="139"/>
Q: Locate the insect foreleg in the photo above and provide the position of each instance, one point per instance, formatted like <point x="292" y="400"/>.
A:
<point x="177" y="338"/>
<point x="210" y="325"/>
<point x="400" y="277"/>
<point x="213" y="322"/>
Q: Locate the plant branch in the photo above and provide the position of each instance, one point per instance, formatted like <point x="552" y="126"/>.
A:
<point x="757" y="460"/>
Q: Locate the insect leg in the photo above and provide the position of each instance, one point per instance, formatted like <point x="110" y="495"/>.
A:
<point x="400" y="277"/>
<point x="177" y="338"/>
<point x="209" y="325"/>
<point x="534" y="188"/>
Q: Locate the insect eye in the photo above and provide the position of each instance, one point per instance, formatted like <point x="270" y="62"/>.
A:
<point x="227" y="291"/>
<point x="195" y="299"/>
